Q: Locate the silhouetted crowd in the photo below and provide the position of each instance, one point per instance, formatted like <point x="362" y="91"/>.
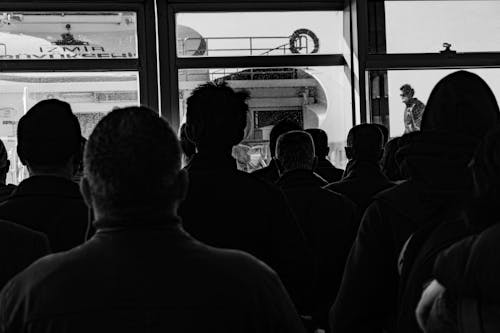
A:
<point x="137" y="230"/>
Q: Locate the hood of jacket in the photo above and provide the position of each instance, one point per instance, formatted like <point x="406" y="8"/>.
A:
<point x="463" y="104"/>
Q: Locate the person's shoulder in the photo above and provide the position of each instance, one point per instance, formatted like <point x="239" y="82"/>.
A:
<point x="238" y="265"/>
<point x="9" y="230"/>
<point x="396" y="192"/>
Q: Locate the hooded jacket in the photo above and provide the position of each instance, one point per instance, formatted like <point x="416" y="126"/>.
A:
<point x="460" y="110"/>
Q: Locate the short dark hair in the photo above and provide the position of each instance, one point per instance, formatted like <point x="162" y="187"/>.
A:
<point x="295" y="150"/>
<point x="320" y="139"/>
<point x="48" y="134"/>
<point x="366" y="140"/>
<point x="280" y="128"/>
<point x="216" y="116"/>
<point x="131" y="159"/>
<point x="407" y="90"/>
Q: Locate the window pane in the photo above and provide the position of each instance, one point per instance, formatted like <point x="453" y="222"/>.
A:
<point x="258" y="33"/>
<point x="315" y="97"/>
<point x="423" y="26"/>
<point x="422" y="81"/>
<point x="91" y="96"/>
<point x="67" y="35"/>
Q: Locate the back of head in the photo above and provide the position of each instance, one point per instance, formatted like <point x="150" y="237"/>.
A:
<point x="216" y="117"/>
<point x="48" y="134"/>
<point x="365" y="142"/>
<point x="461" y="103"/>
<point x="281" y="128"/>
<point x="132" y="159"/>
<point x="320" y="139"/>
<point x="295" y="150"/>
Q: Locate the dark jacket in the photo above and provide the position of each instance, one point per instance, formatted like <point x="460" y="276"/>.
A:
<point x="6" y="191"/>
<point x="329" y="222"/>
<point x="19" y="247"/>
<point x="362" y="180"/>
<point x="439" y="183"/>
<point x="469" y="270"/>
<point x="51" y="205"/>
<point x="149" y="277"/>
<point x="269" y="173"/>
<point x="328" y="171"/>
<point x="232" y="209"/>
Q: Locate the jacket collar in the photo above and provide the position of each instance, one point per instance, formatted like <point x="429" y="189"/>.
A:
<point x="211" y="162"/>
<point x="47" y="186"/>
<point x="362" y="169"/>
<point x="300" y="178"/>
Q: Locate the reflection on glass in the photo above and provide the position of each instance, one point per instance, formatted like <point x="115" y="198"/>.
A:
<point x="315" y="97"/>
<point x="258" y="33"/>
<point x="423" y="81"/>
<point x="423" y="26"/>
<point x="67" y="35"/>
<point x="91" y="96"/>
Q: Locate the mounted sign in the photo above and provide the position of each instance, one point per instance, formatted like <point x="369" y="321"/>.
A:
<point x="55" y="35"/>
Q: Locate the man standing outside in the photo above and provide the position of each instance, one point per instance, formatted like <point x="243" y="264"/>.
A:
<point x="413" y="110"/>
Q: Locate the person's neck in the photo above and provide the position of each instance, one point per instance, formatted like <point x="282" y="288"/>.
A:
<point x="144" y="212"/>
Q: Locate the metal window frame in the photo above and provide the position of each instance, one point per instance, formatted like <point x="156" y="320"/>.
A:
<point x="145" y="64"/>
<point x="170" y="63"/>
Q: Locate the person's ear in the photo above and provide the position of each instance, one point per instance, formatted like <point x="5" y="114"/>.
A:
<point x="181" y="185"/>
<point x="349" y="152"/>
<point x="85" y="190"/>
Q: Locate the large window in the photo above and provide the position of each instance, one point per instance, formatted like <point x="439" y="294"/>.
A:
<point x="423" y="81"/>
<point x="420" y="42"/>
<point x="256" y="33"/>
<point x="423" y="26"/>
<point x="95" y="57"/>
<point x="293" y="60"/>
<point x="314" y="97"/>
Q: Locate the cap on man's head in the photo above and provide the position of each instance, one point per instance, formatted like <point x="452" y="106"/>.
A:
<point x="48" y="134"/>
<point x="461" y="103"/>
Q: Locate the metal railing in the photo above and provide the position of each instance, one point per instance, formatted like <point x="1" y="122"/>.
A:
<point x="252" y="46"/>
